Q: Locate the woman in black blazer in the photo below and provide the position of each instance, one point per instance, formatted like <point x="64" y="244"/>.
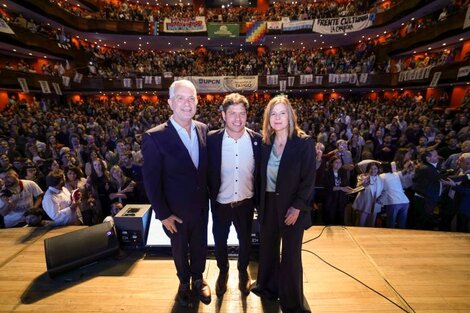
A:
<point x="336" y="187"/>
<point x="287" y="182"/>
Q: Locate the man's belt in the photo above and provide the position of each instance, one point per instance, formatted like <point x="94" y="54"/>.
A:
<point x="234" y="204"/>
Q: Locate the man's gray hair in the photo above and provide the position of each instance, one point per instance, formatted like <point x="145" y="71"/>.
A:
<point x="182" y="82"/>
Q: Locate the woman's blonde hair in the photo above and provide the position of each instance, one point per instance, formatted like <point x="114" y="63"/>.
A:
<point x="268" y="131"/>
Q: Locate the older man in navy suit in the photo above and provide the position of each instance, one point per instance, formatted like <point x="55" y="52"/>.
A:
<point x="461" y="185"/>
<point x="233" y="171"/>
<point x="175" y="178"/>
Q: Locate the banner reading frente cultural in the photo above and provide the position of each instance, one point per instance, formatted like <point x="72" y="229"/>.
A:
<point x="340" y="25"/>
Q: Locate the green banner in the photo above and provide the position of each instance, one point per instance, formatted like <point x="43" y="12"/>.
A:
<point x="223" y="30"/>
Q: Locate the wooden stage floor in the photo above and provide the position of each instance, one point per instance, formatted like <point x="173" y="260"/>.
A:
<point x="421" y="271"/>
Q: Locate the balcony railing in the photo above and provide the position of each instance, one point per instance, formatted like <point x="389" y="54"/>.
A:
<point x="94" y="84"/>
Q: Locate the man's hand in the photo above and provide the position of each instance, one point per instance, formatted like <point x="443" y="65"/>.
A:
<point x="448" y="182"/>
<point x="169" y="223"/>
<point x="291" y="216"/>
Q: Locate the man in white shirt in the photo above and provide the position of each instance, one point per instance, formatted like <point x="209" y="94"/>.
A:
<point x="233" y="170"/>
<point x="58" y="202"/>
<point x="20" y="200"/>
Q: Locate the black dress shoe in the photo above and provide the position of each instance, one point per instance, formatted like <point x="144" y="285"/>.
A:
<point x="202" y="291"/>
<point x="263" y="294"/>
<point x="244" y="282"/>
<point x="221" y="283"/>
<point x="183" y="297"/>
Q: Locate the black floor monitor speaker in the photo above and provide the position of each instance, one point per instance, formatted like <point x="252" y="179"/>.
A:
<point x="80" y="247"/>
<point x="132" y="225"/>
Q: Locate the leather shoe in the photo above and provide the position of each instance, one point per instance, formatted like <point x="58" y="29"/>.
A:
<point x="183" y="297"/>
<point x="244" y="282"/>
<point x="202" y="290"/>
<point x="221" y="283"/>
<point x="262" y="293"/>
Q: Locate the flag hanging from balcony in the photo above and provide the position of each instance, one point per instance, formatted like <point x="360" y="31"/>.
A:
<point x="77" y="78"/>
<point x="44" y="86"/>
<point x="153" y="28"/>
<point x="138" y="83"/>
<point x="282" y="85"/>
<point x="255" y="32"/>
<point x="4" y="28"/>
<point x="57" y="89"/>
<point x="127" y="82"/>
<point x="23" y="84"/>
<point x="66" y="81"/>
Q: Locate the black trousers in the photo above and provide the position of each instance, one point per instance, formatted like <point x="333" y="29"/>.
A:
<point x="281" y="275"/>
<point x="424" y="213"/>
<point x="241" y="216"/>
<point x="191" y="238"/>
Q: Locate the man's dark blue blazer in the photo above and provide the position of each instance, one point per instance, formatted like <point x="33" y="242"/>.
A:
<point x="214" y="143"/>
<point x="172" y="182"/>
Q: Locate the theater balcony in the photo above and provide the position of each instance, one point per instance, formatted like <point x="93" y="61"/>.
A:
<point x="448" y="77"/>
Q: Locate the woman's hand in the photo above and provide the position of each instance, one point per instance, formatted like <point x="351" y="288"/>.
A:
<point x="346" y="189"/>
<point x="291" y="216"/>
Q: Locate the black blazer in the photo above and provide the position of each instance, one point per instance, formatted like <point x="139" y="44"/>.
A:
<point x="296" y="176"/>
<point x="426" y="181"/>
<point x="172" y="182"/>
<point x="214" y="148"/>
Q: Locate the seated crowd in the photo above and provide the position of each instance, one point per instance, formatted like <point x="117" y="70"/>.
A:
<point x="80" y="162"/>
<point x="126" y="11"/>
<point x="112" y="63"/>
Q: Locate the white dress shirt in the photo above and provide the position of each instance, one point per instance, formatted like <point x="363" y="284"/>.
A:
<point x="191" y="143"/>
<point x="237" y="168"/>
<point x="57" y="204"/>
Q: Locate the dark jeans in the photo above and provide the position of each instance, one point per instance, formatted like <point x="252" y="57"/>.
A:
<point x="396" y="215"/>
<point x="223" y="215"/>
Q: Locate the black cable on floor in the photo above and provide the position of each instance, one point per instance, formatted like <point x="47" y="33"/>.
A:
<point x="359" y="281"/>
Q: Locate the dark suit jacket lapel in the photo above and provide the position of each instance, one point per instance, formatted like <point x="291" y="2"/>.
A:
<point x="218" y="150"/>
<point x="202" y="143"/>
<point x="255" y="144"/>
<point x="287" y="156"/>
